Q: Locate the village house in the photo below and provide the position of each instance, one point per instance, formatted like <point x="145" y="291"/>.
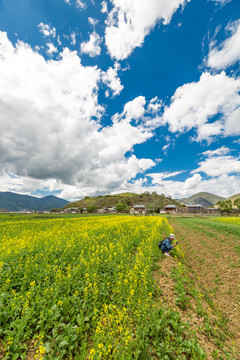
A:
<point x="194" y="208"/>
<point x="103" y="210"/>
<point x="189" y="209"/>
<point x="139" y="210"/>
<point x="170" y="209"/>
<point x="72" y="210"/>
<point x="106" y="210"/>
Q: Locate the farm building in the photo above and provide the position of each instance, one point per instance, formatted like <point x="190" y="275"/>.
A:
<point x="196" y="208"/>
<point x="170" y="209"/>
<point x="3" y="210"/>
<point x="72" y="210"/>
<point x="189" y="209"/>
<point x="139" y="210"/>
<point x="105" y="210"/>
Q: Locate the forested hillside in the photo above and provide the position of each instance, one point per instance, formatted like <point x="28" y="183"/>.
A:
<point x="150" y="200"/>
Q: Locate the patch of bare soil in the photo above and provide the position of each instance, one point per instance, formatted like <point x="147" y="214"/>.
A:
<point x="216" y="263"/>
<point x="31" y="353"/>
<point x="2" y="350"/>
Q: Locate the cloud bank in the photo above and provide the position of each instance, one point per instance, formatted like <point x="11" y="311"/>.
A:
<point x="50" y="122"/>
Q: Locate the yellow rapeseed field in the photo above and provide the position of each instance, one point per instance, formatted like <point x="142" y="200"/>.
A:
<point x="76" y="288"/>
<point x="82" y="288"/>
<point x="231" y="220"/>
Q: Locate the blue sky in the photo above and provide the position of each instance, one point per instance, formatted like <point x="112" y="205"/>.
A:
<point x="119" y="95"/>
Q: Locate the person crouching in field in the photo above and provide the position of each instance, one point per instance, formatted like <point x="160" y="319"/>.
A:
<point x="167" y="246"/>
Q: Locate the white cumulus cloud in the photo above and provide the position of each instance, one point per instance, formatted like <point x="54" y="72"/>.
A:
<point x="228" y="53"/>
<point x="192" y="182"/>
<point x="195" y="105"/>
<point x="92" y="47"/>
<point x="80" y="4"/>
<point x="104" y="7"/>
<point x="47" y="30"/>
<point x="233" y="123"/>
<point x="131" y="20"/>
<point x="110" y="78"/>
<point x="93" y="21"/>
<point x="217" y="165"/>
<point x="220" y="151"/>
<point x="51" y="49"/>
<point x="136" y="108"/>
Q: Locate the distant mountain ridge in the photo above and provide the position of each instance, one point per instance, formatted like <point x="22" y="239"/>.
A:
<point x="17" y="202"/>
<point x="204" y="202"/>
<point x="203" y="198"/>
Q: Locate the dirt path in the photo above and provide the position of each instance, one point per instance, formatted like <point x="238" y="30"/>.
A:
<point x="216" y="263"/>
<point x="167" y="284"/>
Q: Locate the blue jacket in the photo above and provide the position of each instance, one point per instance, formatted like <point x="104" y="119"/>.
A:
<point x="167" y="245"/>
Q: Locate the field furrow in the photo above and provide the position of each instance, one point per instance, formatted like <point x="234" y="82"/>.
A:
<point x="213" y="257"/>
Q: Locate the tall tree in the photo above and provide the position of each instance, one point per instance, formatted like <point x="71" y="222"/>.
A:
<point x="225" y="205"/>
<point x="237" y="203"/>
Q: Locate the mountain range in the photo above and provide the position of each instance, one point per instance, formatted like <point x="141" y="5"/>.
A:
<point x="17" y="202"/>
<point x="203" y="198"/>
